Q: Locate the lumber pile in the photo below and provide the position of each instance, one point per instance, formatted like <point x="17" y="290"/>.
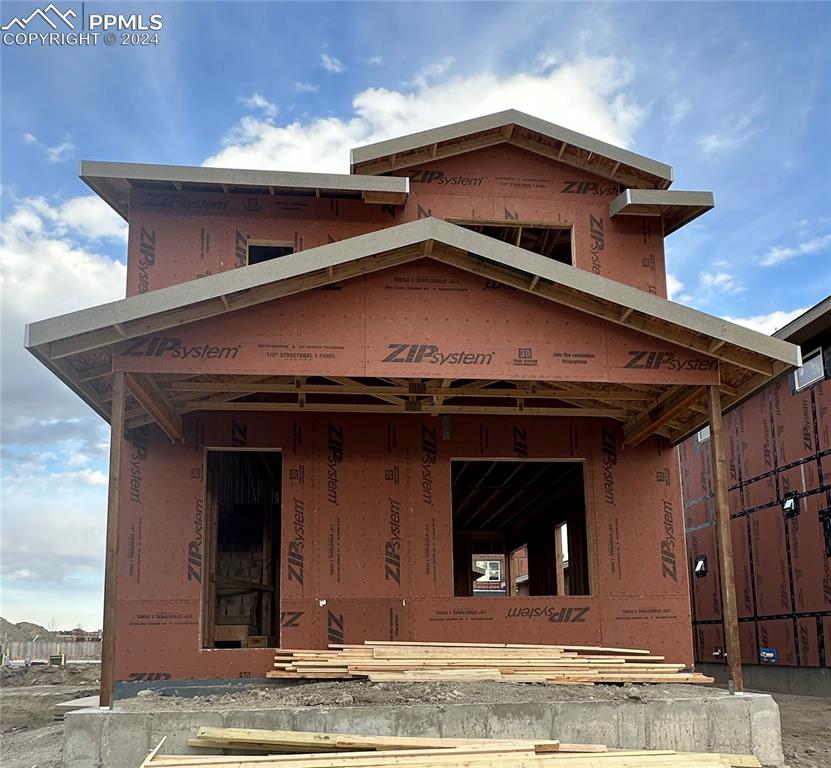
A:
<point x="387" y="661"/>
<point x="331" y="750"/>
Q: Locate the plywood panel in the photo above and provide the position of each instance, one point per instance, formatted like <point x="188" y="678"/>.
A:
<point x="803" y="478"/>
<point x="770" y="559"/>
<point x="741" y="567"/>
<point x="666" y="623"/>
<point x="755" y="436"/>
<point x="808" y="641"/>
<point x="822" y="396"/>
<point x="778" y="634"/>
<point x="706" y="589"/>
<point x="709" y="643"/>
<point x="747" y="639"/>
<point x="793" y="420"/>
<point x="481" y="619"/>
<point x="759" y="493"/>
<point x="422" y="319"/>
<point x="344" y="588"/>
<point x="811" y="568"/>
<point x="204" y="233"/>
<point x="699" y="513"/>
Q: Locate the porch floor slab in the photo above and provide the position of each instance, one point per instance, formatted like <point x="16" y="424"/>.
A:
<point x="683" y="718"/>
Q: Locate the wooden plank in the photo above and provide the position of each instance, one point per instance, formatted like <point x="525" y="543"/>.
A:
<point x="148" y="394"/>
<point x="657" y="415"/>
<point x="724" y="535"/>
<point x="314" y="741"/>
<point x="119" y="396"/>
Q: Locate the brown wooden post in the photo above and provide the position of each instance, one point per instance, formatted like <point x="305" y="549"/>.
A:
<point x="111" y="563"/>
<point x="725" y="542"/>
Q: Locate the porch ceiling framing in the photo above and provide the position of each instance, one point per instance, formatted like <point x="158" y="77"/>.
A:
<point x="79" y="347"/>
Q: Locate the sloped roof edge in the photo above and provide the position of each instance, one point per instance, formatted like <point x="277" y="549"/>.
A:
<point x="390" y="239"/>
<point x="382" y="149"/>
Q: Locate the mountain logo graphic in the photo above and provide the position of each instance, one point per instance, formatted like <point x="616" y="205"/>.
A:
<point x="46" y="14"/>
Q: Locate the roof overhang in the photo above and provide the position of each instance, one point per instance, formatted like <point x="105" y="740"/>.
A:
<point x="113" y="182"/>
<point x="521" y="130"/>
<point x="809" y="325"/>
<point x="675" y="208"/>
<point x="78" y="347"/>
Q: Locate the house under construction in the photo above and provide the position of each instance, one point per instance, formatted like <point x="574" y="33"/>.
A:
<point x="333" y="397"/>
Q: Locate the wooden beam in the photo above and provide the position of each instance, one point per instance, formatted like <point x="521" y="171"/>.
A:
<point x="111" y="560"/>
<point x="725" y="542"/>
<point x="604" y="413"/>
<point x="147" y="392"/>
<point x="660" y="413"/>
<point x="349" y="387"/>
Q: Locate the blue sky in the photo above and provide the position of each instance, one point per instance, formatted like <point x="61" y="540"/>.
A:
<point x="734" y="96"/>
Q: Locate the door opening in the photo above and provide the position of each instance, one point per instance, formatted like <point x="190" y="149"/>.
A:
<point x="519" y="528"/>
<point x="242" y="549"/>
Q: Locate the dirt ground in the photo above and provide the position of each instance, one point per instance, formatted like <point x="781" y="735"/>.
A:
<point x="806" y="730"/>
<point x="29" y="734"/>
<point x="32" y="739"/>
<point x="356" y="693"/>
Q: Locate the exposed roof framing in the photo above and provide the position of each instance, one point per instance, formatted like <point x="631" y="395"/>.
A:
<point x="521" y="130"/>
<point x="675" y="208"/>
<point x="77" y="346"/>
<point x="113" y="182"/>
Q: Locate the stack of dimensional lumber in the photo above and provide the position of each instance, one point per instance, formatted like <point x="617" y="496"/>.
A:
<point x="410" y="752"/>
<point x="386" y="661"/>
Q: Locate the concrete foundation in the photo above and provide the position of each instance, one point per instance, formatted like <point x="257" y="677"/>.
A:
<point x="805" y="681"/>
<point x="717" y="722"/>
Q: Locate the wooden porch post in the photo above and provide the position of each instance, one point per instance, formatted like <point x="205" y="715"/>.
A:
<point x="725" y="542"/>
<point x="111" y="563"/>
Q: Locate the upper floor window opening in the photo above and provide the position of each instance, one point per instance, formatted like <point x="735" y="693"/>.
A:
<point x="554" y="241"/>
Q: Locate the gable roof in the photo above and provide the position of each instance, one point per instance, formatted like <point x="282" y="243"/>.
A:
<point x="113" y="182"/>
<point x="68" y="344"/>
<point x="521" y="130"/>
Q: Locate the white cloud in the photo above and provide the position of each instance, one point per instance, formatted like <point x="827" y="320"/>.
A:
<point x="778" y="254"/>
<point x="301" y="87"/>
<point x="46" y="273"/>
<point x="739" y="127"/>
<point x="768" y="323"/>
<point x="375" y="61"/>
<point x="714" y="143"/>
<point x="60" y="152"/>
<point x="723" y="282"/>
<point x="547" y="60"/>
<point x="331" y="64"/>
<point x="679" y="108"/>
<point x="432" y="71"/>
<point x="257" y="101"/>
<point x="674" y="286"/>
<point x="86" y="476"/>
<point x="88" y="216"/>
<point x="76" y="459"/>
<point x="29" y="138"/>
<point x="586" y="95"/>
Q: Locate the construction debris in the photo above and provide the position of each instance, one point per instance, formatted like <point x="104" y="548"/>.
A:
<point x="363" y="752"/>
<point x="387" y="661"/>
